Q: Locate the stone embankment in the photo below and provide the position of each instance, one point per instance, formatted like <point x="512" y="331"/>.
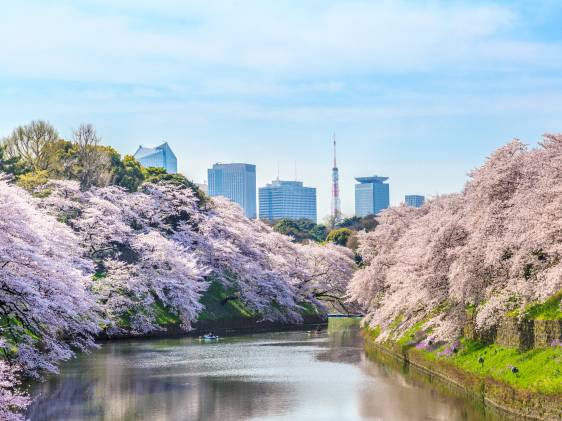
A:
<point x="522" y="334"/>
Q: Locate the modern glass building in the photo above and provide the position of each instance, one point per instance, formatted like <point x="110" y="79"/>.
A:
<point x="371" y="195"/>
<point x="160" y="156"/>
<point x="236" y="182"/>
<point x="414" y="200"/>
<point x="287" y="199"/>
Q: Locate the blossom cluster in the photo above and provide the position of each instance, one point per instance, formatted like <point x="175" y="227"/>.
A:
<point x="493" y="248"/>
<point x="73" y="262"/>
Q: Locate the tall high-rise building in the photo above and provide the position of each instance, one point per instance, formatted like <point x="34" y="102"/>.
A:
<point x="287" y="199"/>
<point x="160" y="156"/>
<point x="414" y="200"/>
<point x="236" y="182"/>
<point x="336" y="209"/>
<point x="371" y="195"/>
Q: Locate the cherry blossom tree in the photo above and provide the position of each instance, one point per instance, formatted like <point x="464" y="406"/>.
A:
<point x="46" y="312"/>
<point x="76" y="260"/>
<point x="273" y="274"/>
<point x="139" y="267"/>
<point x="43" y="280"/>
<point x="241" y="253"/>
<point x="12" y="401"/>
<point x="159" y="247"/>
<point x="327" y="271"/>
<point x="494" y="247"/>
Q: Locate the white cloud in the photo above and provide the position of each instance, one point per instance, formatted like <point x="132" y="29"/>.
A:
<point x="144" y="43"/>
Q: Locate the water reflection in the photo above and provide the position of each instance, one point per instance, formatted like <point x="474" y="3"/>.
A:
<point x="287" y="376"/>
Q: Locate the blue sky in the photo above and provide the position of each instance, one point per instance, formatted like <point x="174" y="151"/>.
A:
<point x="420" y="92"/>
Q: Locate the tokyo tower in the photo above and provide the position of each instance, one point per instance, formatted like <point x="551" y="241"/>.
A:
<point x="336" y="210"/>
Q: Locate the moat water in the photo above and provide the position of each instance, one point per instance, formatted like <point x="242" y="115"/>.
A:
<point x="274" y="376"/>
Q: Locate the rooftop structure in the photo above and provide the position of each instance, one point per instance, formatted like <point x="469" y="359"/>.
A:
<point x="371" y="195"/>
<point x="160" y="156"/>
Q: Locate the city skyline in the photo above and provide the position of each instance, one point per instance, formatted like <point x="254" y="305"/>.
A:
<point x="286" y="199"/>
<point x="214" y="190"/>
<point x="416" y="97"/>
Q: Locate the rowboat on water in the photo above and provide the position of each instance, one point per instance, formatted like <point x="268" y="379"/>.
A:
<point x="209" y="337"/>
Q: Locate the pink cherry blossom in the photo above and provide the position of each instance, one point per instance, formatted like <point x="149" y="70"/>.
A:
<point x="495" y="246"/>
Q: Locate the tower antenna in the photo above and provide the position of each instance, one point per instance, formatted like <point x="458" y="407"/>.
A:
<point x="336" y="210"/>
<point x="335" y="165"/>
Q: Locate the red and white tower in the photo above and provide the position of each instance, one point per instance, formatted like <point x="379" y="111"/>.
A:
<point x="336" y="210"/>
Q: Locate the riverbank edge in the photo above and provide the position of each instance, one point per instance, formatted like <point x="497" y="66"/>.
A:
<point x="222" y="327"/>
<point x="499" y="396"/>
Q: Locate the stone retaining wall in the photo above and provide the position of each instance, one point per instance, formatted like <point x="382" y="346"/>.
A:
<point x="520" y="334"/>
<point x="515" y="333"/>
<point x="546" y="332"/>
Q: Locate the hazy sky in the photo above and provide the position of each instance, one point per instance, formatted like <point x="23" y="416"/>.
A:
<point x="420" y="93"/>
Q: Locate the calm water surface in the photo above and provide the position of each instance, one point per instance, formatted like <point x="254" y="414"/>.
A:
<point x="275" y="376"/>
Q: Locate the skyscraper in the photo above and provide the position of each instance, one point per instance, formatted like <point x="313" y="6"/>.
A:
<point x="336" y="209"/>
<point x="160" y="156"/>
<point x="287" y="199"/>
<point x="236" y="182"/>
<point x="414" y="200"/>
<point x="371" y="195"/>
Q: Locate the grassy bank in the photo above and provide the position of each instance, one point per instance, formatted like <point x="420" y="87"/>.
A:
<point x="537" y="370"/>
<point x="528" y="383"/>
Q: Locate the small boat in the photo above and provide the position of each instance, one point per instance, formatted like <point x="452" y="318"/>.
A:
<point x="209" y="337"/>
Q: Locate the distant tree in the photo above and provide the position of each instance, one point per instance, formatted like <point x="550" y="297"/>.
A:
<point x="349" y="222"/>
<point x="357" y="223"/>
<point x="301" y="230"/>
<point x="93" y="162"/>
<point x="61" y="159"/>
<point x="30" y="143"/>
<point x="31" y="181"/>
<point x="329" y="221"/>
<point x="339" y="236"/>
<point x="12" y="165"/>
<point x="115" y="161"/>
<point x="129" y="173"/>
<point x="318" y="232"/>
<point x="152" y="173"/>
